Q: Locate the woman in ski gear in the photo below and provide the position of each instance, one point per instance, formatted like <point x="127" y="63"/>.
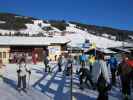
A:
<point x="22" y="71"/>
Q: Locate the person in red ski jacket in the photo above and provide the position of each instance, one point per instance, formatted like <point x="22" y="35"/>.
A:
<point x="125" y="72"/>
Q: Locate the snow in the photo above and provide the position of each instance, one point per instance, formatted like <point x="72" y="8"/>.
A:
<point x="36" y="22"/>
<point x="106" y="51"/>
<point x="35" y="41"/>
<point x="35" y="28"/>
<point x="32" y="29"/>
<point x="131" y="36"/>
<point x="2" y="22"/>
<point x="55" y="30"/>
<point x="105" y="35"/>
<point x="3" y="32"/>
<point x="80" y="36"/>
<point x="76" y="39"/>
<point x="77" y="36"/>
<point x="71" y="25"/>
<point x="19" y="16"/>
<point x="54" y="86"/>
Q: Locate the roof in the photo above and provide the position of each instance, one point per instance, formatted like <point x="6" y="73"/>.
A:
<point x="121" y="49"/>
<point x="106" y="51"/>
<point x="34" y="41"/>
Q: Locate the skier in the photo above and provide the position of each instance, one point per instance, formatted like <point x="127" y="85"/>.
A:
<point x="69" y="65"/>
<point x="100" y="77"/>
<point x="22" y="70"/>
<point x="60" y="63"/>
<point x="1" y="71"/>
<point x="46" y="62"/>
<point x="125" y="72"/>
<point x="76" y="63"/>
<point x="85" y="74"/>
<point x="113" y="66"/>
<point x="83" y="60"/>
<point x="55" y="57"/>
<point x="50" y="63"/>
<point x="91" y="60"/>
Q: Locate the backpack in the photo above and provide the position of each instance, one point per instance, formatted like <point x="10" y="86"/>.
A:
<point x="102" y="84"/>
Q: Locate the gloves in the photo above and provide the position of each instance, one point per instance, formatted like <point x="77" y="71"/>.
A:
<point x="29" y="72"/>
<point x="109" y="86"/>
<point x="18" y="71"/>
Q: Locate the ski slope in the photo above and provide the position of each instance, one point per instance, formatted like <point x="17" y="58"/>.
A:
<point x="80" y="36"/>
<point x="77" y="36"/>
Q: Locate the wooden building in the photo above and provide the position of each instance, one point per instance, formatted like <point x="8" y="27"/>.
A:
<point x="35" y="48"/>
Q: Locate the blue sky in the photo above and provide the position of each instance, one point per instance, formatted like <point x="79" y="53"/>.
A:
<point x="113" y="13"/>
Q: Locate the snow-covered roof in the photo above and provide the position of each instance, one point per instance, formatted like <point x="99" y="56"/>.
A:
<point x="107" y="51"/>
<point x="34" y="41"/>
<point x="121" y="49"/>
<point x="2" y="22"/>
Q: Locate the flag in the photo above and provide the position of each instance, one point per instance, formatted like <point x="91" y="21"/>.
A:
<point x="93" y="45"/>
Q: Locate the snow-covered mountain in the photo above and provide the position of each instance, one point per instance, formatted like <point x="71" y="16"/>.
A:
<point x="12" y="24"/>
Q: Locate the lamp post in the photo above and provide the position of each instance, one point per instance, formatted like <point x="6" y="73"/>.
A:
<point x="71" y="82"/>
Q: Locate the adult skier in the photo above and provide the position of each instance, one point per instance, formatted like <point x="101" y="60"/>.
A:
<point x="100" y="77"/>
<point x="113" y="66"/>
<point x="22" y="71"/>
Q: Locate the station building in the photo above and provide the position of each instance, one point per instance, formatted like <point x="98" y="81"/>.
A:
<point x="35" y="48"/>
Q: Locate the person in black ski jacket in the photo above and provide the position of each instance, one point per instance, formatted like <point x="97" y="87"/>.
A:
<point x="60" y="63"/>
<point x="125" y="72"/>
<point x="46" y="62"/>
<point x="85" y="74"/>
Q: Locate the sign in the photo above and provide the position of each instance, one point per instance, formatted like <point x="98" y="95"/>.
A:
<point x="86" y="46"/>
<point x="54" y="50"/>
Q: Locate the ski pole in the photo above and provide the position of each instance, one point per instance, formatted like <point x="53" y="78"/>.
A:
<point x="29" y="81"/>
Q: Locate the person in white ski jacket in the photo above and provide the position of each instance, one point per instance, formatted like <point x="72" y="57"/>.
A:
<point x="22" y="71"/>
<point x="100" y="77"/>
<point x="100" y="67"/>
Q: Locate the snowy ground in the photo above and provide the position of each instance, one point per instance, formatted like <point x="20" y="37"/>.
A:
<point x="53" y="86"/>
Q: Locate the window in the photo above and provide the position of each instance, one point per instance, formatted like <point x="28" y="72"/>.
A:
<point x="4" y="54"/>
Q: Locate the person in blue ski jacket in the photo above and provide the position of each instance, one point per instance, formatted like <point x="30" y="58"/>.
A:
<point x="83" y="60"/>
<point x="112" y="62"/>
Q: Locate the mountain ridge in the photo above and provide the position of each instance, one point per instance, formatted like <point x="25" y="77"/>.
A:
<point x="18" y="25"/>
<point x="34" y="18"/>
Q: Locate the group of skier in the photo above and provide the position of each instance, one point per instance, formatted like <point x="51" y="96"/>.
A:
<point x="97" y="71"/>
<point x="100" y="73"/>
<point x="94" y="71"/>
